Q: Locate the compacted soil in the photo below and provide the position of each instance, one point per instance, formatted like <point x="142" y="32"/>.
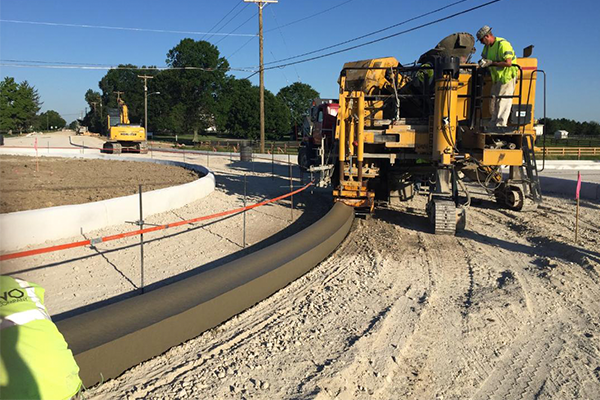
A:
<point x="28" y="183"/>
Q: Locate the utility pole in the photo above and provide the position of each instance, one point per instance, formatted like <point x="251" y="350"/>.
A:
<point x="261" y="4"/>
<point x="145" y="78"/>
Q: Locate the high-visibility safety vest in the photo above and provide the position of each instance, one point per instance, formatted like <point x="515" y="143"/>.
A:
<point x="35" y="361"/>
<point x="425" y="72"/>
<point x="501" y="50"/>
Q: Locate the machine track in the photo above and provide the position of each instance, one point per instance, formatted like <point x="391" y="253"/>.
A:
<point x="443" y="217"/>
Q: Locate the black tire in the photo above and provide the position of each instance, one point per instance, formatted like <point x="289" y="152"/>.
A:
<point x="303" y="161"/>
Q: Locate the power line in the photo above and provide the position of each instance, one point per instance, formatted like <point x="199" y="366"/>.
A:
<point x="288" y="24"/>
<point x="386" y="37"/>
<point x="285" y="44"/>
<point x="248" y="69"/>
<point x="370" y="34"/>
<point x="310" y="16"/>
<point x="110" y="67"/>
<point x="228" y="21"/>
<point x="239" y="26"/>
<point x="237" y="4"/>
<point x="122" y="28"/>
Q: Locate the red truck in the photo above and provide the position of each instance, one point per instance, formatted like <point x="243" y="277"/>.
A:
<point x="318" y="134"/>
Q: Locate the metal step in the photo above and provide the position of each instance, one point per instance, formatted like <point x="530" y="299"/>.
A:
<point x="531" y="169"/>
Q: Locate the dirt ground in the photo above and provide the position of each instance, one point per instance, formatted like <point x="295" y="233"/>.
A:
<point x="507" y="309"/>
<point x="28" y="183"/>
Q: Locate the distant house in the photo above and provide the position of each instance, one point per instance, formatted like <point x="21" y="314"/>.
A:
<point x="561" y="134"/>
<point x="539" y="130"/>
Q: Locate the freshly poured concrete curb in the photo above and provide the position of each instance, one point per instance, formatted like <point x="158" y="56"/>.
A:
<point x="24" y="228"/>
<point x="109" y="340"/>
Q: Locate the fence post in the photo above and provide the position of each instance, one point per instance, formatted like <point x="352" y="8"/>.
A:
<point x="141" y="224"/>
<point x="291" y="189"/>
<point x="244" y="229"/>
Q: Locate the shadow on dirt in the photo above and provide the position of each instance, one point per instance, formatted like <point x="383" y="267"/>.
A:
<point x="408" y="218"/>
<point x="542" y="247"/>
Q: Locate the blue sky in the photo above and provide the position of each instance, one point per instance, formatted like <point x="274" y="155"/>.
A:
<point x="564" y="33"/>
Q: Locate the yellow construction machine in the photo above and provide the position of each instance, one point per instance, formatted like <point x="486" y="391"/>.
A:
<point x="122" y="135"/>
<point x="404" y="129"/>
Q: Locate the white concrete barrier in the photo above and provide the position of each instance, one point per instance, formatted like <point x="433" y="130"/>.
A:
<point x="25" y="228"/>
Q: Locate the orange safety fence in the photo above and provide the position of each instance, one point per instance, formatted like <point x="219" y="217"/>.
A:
<point x="65" y="246"/>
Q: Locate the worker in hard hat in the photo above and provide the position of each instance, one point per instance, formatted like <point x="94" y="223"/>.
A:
<point x="35" y="361"/>
<point x="499" y="57"/>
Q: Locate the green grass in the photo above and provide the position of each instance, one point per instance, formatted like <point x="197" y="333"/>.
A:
<point x="574" y="142"/>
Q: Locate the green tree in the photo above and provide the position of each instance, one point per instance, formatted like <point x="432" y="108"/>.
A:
<point x="19" y="104"/>
<point x="297" y="97"/>
<point x="124" y="79"/>
<point x="50" y="120"/>
<point x="95" y="119"/>
<point x="240" y="113"/>
<point x="277" y="118"/>
<point x="199" y="86"/>
<point x="240" y="116"/>
<point x="574" y="128"/>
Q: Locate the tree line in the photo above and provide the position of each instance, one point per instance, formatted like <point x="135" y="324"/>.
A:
<point x="19" y="107"/>
<point x="575" y="128"/>
<point x="195" y="95"/>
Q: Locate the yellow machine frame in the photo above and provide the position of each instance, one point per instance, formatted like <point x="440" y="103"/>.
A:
<point x="446" y="142"/>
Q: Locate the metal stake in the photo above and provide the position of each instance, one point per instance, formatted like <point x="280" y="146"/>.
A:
<point x="244" y="243"/>
<point x="141" y="224"/>
<point x="291" y="188"/>
<point x="207" y="158"/>
<point x="272" y="164"/>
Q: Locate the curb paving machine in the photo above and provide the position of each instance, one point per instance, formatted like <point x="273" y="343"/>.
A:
<point x="122" y="135"/>
<point x="401" y="129"/>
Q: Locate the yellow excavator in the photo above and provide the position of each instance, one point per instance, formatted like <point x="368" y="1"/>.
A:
<point x="124" y="136"/>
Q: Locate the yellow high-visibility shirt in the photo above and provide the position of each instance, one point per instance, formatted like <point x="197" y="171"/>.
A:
<point x="501" y="50"/>
<point x="35" y="361"/>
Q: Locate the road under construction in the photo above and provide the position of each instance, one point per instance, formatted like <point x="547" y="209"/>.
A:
<point x="503" y="309"/>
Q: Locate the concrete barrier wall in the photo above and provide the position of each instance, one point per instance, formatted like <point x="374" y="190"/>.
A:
<point x="24" y="228"/>
<point x="109" y="340"/>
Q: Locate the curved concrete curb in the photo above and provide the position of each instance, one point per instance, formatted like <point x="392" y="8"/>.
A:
<point x="24" y="228"/>
<point x="110" y="340"/>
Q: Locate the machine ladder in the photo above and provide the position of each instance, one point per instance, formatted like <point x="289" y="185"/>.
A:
<point x="531" y="169"/>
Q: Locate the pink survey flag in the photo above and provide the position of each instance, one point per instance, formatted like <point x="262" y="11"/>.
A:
<point x="578" y="185"/>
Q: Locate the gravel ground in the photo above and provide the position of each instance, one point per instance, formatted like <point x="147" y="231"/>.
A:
<point x="508" y="309"/>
